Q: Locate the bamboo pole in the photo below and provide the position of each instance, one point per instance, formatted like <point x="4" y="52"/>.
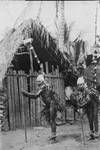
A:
<point x="30" y="48"/>
<point x="96" y="16"/>
<point x="22" y="84"/>
<point x="31" y="59"/>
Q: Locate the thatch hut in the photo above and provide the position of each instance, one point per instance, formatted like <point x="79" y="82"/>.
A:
<point x="16" y="57"/>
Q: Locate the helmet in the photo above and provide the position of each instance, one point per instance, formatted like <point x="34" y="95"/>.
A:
<point x="80" y="81"/>
<point x="40" y="79"/>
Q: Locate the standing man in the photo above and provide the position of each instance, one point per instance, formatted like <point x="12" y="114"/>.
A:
<point x="92" y="113"/>
<point x="92" y="107"/>
<point x="92" y="110"/>
<point x="51" y="101"/>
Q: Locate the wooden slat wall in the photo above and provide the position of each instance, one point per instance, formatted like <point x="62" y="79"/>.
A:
<point x="23" y="109"/>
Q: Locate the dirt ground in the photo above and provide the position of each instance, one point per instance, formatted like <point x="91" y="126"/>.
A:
<point x="69" y="137"/>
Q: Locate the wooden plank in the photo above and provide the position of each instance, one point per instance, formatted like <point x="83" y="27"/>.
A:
<point x="32" y="101"/>
<point x="20" y="99"/>
<point x="37" y="115"/>
<point x="12" y="104"/>
<point x="9" y="101"/>
<point x="17" y="111"/>
<point x="13" y="100"/>
<point x="24" y="103"/>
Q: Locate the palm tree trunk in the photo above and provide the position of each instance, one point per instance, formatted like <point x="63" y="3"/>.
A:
<point x="61" y="22"/>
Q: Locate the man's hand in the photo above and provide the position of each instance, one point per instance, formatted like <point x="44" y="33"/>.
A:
<point x="28" y="94"/>
<point x="23" y="91"/>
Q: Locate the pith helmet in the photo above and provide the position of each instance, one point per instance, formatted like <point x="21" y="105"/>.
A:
<point x="80" y="81"/>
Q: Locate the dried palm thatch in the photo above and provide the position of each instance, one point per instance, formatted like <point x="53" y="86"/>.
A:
<point x="12" y="41"/>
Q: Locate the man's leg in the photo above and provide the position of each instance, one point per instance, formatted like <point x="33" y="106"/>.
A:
<point x="53" y="114"/>
<point x="90" y="119"/>
<point x="95" y="118"/>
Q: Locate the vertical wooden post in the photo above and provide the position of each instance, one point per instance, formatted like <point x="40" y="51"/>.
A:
<point x="31" y="80"/>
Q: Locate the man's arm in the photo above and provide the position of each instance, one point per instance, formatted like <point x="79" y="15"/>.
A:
<point x="31" y="95"/>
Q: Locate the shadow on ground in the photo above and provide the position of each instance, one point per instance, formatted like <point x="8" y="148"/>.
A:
<point x="64" y="137"/>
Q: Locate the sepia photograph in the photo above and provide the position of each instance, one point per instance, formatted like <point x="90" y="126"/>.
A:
<point x="49" y="75"/>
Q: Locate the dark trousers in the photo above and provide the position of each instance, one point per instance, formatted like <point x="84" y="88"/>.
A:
<point x="53" y="115"/>
<point x="92" y="114"/>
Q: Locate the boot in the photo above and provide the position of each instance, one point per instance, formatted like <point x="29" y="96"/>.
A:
<point x="91" y="135"/>
<point x="53" y="138"/>
<point x="96" y="134"/>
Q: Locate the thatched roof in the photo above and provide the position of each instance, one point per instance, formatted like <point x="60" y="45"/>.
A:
<point x="28" y="29"/>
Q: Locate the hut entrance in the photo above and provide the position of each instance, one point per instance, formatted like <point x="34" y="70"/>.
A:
<point x="21" y="109"/>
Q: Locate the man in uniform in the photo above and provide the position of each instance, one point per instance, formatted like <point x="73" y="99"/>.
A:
<point x="51" y="101"/>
